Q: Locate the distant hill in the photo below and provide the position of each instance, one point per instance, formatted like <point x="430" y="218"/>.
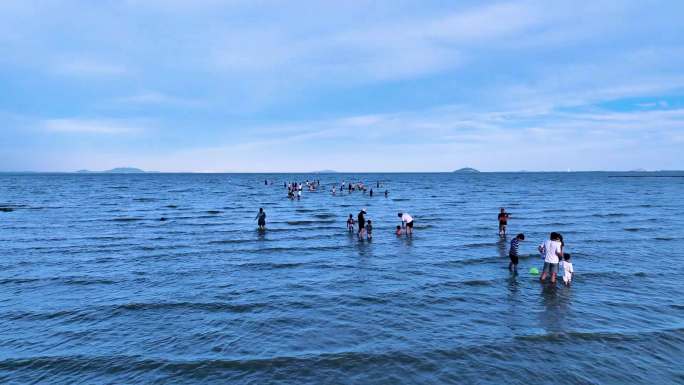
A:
<point x="466" y="170"/>
<point x="325" y="172"/>
<point x="117" y="170"/>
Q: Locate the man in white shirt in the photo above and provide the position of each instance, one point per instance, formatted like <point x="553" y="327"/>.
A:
<point x="406" y="223"/>
<point x="552" y="250"/>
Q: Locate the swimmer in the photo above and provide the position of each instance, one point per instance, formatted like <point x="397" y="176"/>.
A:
<point x="398" y="231"/>
<point x="369" y="229"/>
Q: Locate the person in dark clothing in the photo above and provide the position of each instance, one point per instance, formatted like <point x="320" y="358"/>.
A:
<point x="261" y="219"/>
<point x="503" y="221"/>
<point x="361" y="220"/>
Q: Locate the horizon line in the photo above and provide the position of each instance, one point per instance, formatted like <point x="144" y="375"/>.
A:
<point x="333" y="172"/>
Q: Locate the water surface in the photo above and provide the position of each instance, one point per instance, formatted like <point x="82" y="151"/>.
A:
<point x="94" y="288"/>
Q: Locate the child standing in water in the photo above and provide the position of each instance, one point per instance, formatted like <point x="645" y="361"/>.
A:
<point x="567" y="269"/>
<point x="398" y="231"/>
<point x="369" y="229"/>
<point x="513" y="252"/>
<point x="503" y="221"/>
<point x="350" y="223"/>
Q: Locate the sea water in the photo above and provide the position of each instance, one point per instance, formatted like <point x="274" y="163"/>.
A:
<point x="96" y="289"/>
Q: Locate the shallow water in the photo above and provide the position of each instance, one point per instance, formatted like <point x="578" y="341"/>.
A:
<point x="94" y="288"/>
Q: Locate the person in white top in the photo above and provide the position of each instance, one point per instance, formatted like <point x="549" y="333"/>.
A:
<point x="407" y="223"/>
<point x="568" y="271"/>
<point x="552" y="250"/>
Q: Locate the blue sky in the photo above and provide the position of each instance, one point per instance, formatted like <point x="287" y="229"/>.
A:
<point x="212" y="85"/>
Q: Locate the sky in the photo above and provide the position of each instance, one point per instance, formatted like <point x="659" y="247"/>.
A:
<point x="294" y="86"/>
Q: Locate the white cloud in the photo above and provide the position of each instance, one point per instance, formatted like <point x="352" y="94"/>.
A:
<point x="80" y="66"/>
<point x="89" y="126"/>
<point x="157" y="98"/>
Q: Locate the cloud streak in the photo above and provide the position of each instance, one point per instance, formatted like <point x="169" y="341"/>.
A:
<point x="242" y="85"/>
<point x="89" y="126"/>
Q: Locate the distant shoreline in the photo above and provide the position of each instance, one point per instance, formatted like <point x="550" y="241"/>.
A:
<point x="643" y="173"/>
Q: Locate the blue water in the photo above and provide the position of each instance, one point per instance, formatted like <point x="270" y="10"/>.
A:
<point x="95" y="289"/>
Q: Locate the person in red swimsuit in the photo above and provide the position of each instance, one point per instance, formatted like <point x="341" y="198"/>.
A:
<point x="503" y="221"/>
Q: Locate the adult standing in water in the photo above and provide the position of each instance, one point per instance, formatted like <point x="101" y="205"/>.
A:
<point x="362" y="223"/>
<point x="407" y="223"/>
<point x="503" y="221"/>
<point x="552" y="250"/>
<point x="261" y="219"/>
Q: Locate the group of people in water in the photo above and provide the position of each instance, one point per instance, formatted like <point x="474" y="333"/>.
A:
<point x="365" y="227"/>
<point x="294" y="189"/>
<point x="358" y="186"/>
<point x="551" y="250"/>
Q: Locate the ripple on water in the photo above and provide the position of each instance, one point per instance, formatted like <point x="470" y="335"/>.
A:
<point x="97" y="289"/>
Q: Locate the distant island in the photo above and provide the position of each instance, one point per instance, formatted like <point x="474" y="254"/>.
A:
<point x="466" y="170"/>
<point x="325" y="172"/>
<point x="117" y="170"/>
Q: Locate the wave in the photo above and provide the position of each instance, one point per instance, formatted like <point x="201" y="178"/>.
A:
<point x="555" y="211"/>
<point x="231" y="241"/>
<point x="271" y="265"/>
<point x="204" y="306"/>
<point x="614" y="274"/>
<point x="236" y="369"/>
<point x="610" y="215"/>
<point x="285" y="249"/>
<point x="309" y="222"/>
<point x="76" y="280"/>
<point x="480" y="245"/>
<point x="478" y="282"/>
<point x="144" y="199"/>
<point x="485" y="260"/>
<point x="127" y="219"/>
<point x="600" y="336"/>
